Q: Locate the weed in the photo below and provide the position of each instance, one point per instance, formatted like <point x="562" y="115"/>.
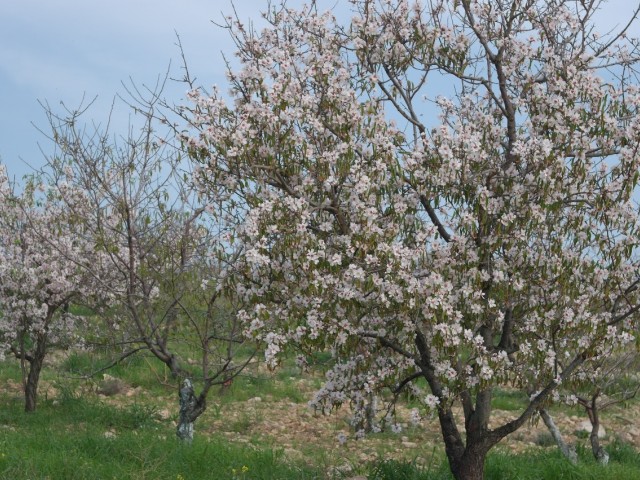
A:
<point x="544" y="439"/>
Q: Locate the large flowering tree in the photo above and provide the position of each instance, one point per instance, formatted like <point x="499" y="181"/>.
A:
<point x="439" y="190"/>
<point x="46" y="264"/>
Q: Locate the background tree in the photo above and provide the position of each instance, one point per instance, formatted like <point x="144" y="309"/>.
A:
<point x="438" y="190"/>
<point x="44" y="267"/>
<point x="168" y="253"/>
<point x="610" y="380"/>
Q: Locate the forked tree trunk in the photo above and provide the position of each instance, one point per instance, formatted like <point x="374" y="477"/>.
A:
<point x="466" y="461"/>
<point x="593" y="412"/>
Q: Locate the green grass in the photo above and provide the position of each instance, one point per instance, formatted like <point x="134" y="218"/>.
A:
<point x="394" y="470"/>
<point x="67" y="441"/>
<point x="511" y="400"/>
<point x="549" y="464"/>
<point x="138" y="370"/>
<point x="69" y="436"/>
<point x="249" y="385"/>
<point x="546" y="464"/>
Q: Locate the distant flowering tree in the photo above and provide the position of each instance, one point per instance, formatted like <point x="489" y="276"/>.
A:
<point x="44" y="267"/>
<point x="604" y="381"/>
<point x="439" y="190"/>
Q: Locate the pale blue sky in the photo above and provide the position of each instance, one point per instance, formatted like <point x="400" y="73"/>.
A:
<point x="60" y="50"/>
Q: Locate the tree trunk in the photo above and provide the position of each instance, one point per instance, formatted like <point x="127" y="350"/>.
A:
<point x="593" y="412"/>
<point x="370" y="412"/>
<point x="598" y="451"/>
<point x="31" y="388"/>
<point x="33" y="378"/>
<point x="567" y="450"/>
<point x="191" y="407"/>
<point x="471" y="465"/>
<point x="465" y="461"/>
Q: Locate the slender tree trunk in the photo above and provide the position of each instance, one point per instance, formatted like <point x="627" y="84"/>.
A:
<point x="592" y="409"/>
<point x="33" y="377"/>
<point x="567" y="450"/>
<point x="370" y="412"/>
<point x="599" y="452"/>
<point x="191" y="407"/>
<point x="31" y="389"/>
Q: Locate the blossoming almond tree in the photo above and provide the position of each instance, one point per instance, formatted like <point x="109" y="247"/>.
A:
<point x="44" y="260"/>
<point x="439" y="190"/>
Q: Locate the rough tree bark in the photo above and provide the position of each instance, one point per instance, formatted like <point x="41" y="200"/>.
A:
<point x="191" y="407"/>
<point x="370" y="412"/>
<point x="467" y="456"/>
<point x="599" y="452"/>
<point x="35" y="367"/>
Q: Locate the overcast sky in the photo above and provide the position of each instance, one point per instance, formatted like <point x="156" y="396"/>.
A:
<point x="60" y="50"/>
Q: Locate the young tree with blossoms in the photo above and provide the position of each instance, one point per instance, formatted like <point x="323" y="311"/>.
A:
<point x="610" y="380"/>
<point x="167" y="253"/>
<point x="438" y="190"/>
<point x="46" y="264"/>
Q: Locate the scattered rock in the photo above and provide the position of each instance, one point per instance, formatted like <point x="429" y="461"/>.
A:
<point x="293" y="454"/>
<point x="134" y="391"/>
<point x="341" y="471"/>
<point x="254" y="400"/>
<point x="585" y="426"/>
<point x="164" y="414"/>
<point x="366" y="458"/>
<point x="634" y="431"/>
<point x="626" y="437"/>
<point x="110" y="386"/>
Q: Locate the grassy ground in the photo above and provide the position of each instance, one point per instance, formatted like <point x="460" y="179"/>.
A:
<point x="77" y="440"/>
<point x="122" y="427"/>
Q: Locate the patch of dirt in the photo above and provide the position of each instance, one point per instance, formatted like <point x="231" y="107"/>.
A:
<point x="293" y="427"/>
